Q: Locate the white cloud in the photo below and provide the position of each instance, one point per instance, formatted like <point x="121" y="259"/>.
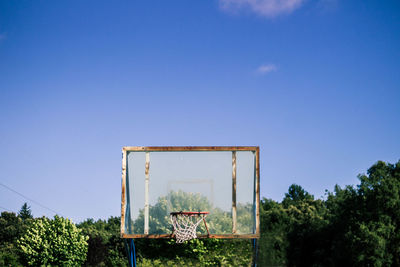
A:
<point x="267" y="8"/>
<point x="266" y="68"/>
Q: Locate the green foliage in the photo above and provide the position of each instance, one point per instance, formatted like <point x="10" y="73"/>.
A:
<point x="12" y="227"/>
<point x="218" y="221"/>
<point x="373" y="232"/>
<point x="213" y="253"/>
<point x="53" y="242"/>
<point x="196" y="252"/>
<point x="274" y="227"/>
<point x="174" y="201"/>
<point x="245" y="218"/>
<point x="106" y="248"/>
<point x="25" y="212"/>
<point x="354" y="226"/>
<point x="373" y="238"/>
<point x="296" y="194"/>
<point x="288" y="228"/>
<point x="307" y="236"/>
<point x="9" y="255"/>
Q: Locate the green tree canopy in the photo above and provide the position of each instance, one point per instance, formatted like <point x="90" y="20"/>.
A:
<point x="25" y="212"/>
<point x="55" y="242"/>
<point x="106" y="248"/>
<point x="296" y="194"/>
<point x="11" y="228"/>
<point x="179" y="201"/>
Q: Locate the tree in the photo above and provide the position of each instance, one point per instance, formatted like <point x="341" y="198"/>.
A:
<point x="376" y="235"/>
<point x="11" y="229"/>
<point x="55" y="242"/>
<point x="106" y="248"/>
<point x="365" y="220"/>
<point x="292" y="232"/>
<point x="307" y="237"/>
<point x="296" y="194"/>
<point x="97" y="242"/>
<point x="25" y="212"/>
<point x="274" y="223"/>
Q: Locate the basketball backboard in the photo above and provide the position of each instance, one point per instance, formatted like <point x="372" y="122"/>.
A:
<point x="224" y="181"/>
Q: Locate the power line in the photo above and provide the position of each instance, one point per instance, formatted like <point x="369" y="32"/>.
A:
<point x="5" y="209"/>
<point x="33" y="201"/>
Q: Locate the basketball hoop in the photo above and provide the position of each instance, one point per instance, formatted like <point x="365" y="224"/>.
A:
<point x="185" y="224"/>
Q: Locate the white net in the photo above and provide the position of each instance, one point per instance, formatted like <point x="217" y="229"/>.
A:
<point x="185" y="225"/>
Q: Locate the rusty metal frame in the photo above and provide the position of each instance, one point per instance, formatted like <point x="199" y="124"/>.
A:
<point x="233" y="149"/>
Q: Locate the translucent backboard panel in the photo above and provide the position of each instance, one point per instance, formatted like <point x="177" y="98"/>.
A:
<point x="223" y="181"/>
<point x="245" y="188"/>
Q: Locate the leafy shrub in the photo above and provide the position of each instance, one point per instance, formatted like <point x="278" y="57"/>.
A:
<point x="53" y="242"/>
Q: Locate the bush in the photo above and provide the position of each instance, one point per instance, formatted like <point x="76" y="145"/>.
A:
<point x="53" y="242"/>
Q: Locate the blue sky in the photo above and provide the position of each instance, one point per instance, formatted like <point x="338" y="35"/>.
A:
<point x="314" y="83"/>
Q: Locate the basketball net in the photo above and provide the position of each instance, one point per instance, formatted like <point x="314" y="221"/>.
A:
<point x="185" y="225"/>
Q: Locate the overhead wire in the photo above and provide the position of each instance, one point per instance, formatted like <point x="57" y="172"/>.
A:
<point x="31" y="200"/>
<point x="5" y="209"/>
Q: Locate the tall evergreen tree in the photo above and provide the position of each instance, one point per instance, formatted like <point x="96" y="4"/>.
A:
<point x="25" y="212"/>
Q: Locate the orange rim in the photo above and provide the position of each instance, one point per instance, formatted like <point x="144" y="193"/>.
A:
<point x="189" y="212"/>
